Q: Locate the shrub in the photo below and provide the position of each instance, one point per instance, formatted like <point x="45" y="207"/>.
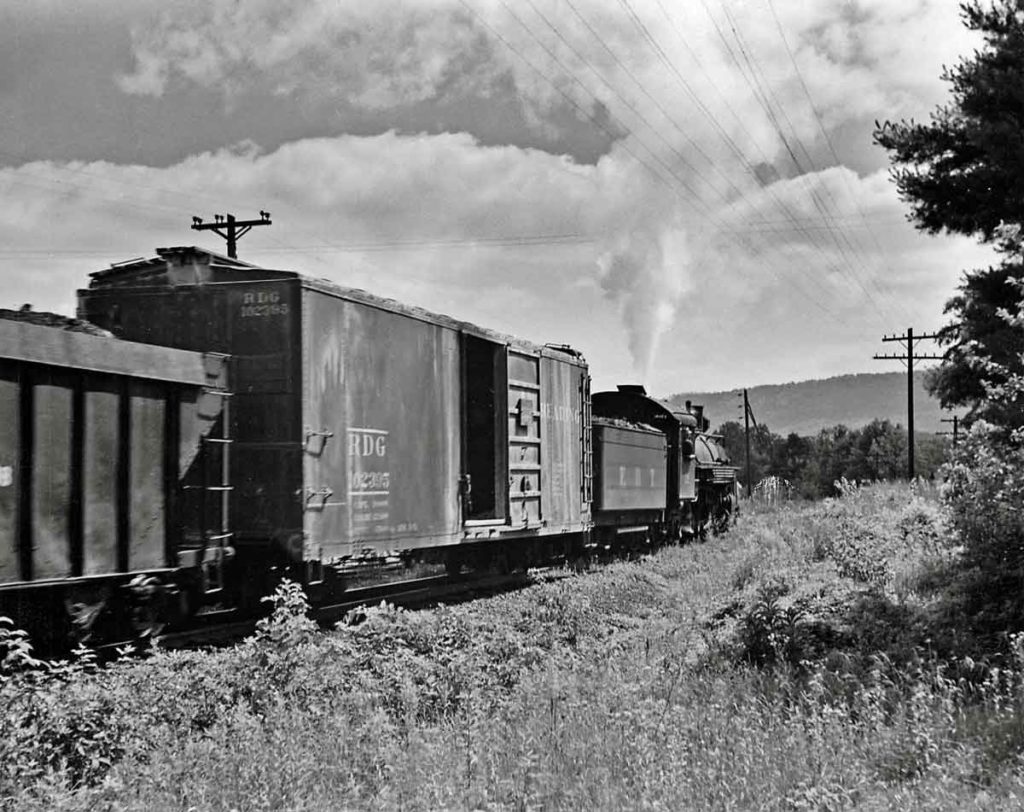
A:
<point x="769" y="632"/>
<point x="15" y="650"/>
<point x="985" y="490"/>
<point x="49" y="727"/>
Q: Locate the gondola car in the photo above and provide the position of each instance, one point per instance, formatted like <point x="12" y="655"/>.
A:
<point x="364" y="428"/>
<point x="107" y="449"/>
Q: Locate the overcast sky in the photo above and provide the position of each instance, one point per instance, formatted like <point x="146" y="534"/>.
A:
<point x="685" y="190"/>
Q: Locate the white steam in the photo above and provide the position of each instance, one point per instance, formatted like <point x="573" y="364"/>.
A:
<point x="647" y="271"/>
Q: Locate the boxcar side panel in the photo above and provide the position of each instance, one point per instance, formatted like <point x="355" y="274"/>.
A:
<point x="99" y="481"/>
<point x="10" y="449"/>
<point x="146" y="477"/>
<point x="562" y="437"/>
<point x="51" y="478"/>
<point x="381" y="410"/>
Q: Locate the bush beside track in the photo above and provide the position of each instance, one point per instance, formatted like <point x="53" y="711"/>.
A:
<point x="816" y="657"/>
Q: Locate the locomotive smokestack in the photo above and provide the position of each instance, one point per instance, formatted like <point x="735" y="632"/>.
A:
<point x="698" y="411"/>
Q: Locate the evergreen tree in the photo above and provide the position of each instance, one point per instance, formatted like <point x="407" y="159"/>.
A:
<point x="963" y="172"/>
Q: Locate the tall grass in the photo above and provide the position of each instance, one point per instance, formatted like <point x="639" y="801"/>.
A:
<point x="806" y="660"/>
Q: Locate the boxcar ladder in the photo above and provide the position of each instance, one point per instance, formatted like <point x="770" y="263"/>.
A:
<point x="216" y="496"/>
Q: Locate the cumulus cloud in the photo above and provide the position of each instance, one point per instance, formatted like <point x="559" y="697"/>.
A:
<point x="377" y="55"/>
<point x="398" y="215"/>
<point x="717" y="208"/>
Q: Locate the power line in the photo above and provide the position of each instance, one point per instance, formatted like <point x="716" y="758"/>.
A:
<point x="909" y="359"/>
<point x="711" y="218"/>
<point x="743" y="127"/>
<point x="682" y="182"/>
<point x="681" y="157"/>
<point x="795" y="221"/>
<point x="828" y="140"/>
<point x="765" y="97"/>
<point x="709" y="116"/>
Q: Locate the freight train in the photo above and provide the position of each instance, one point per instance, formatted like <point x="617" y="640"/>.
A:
<point x="206" y="426"/>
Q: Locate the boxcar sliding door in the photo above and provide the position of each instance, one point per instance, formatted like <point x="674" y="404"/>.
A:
<point x="484" y="430"/>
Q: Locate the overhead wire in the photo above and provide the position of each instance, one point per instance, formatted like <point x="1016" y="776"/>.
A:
<point x="708" y="215"/>
<point x="761" y="97"/>
<point x="810" y="241"/>
<point x="713" y="165"/>
<point x="136" y="202"/>
<point x="649" y="164"/>
<point x="824" y="132"/>
<point x="766" y="97"/>
<point x="694" y="202"/>
<point x="364" y="247"/>
<point x="794" y="221"/>
<point x="669" y="64"/>
<point x="666" y="60"/>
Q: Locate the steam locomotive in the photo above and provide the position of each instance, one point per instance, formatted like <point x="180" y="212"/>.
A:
<point x="206" y="426"/>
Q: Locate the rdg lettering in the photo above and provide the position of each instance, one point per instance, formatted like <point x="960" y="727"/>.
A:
<point x="261" y="297"/>
<point x="367" y="445"/>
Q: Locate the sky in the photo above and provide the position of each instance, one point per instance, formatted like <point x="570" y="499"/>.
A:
<point x="685" y="190"/>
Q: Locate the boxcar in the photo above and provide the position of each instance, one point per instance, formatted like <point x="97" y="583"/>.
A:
<point x="111" y="509"/>
<point x="363" y="427"/>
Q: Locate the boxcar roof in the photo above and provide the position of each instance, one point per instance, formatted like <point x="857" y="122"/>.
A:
<point x="53" y="346"/>
<point x="148" y="271"/>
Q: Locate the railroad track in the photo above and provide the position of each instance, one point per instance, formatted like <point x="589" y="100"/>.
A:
<point x="220" y="628"/>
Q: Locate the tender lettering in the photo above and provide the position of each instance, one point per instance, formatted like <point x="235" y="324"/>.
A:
<point x="632" y="477"/>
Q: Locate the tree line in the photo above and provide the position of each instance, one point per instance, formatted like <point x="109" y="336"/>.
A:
<point x="811" y="466"/>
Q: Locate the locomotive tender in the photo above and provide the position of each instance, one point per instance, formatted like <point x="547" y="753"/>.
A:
<point x="341" y="429"/>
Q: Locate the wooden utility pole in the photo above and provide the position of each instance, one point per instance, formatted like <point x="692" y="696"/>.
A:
<point x="231" y="229"/>
<point x="746" y="432"/>
<point x="909" y="358"/>
<point x="956" y="427"/>
<point x="748" y="418"/>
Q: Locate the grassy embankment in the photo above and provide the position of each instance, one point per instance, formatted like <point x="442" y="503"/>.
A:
<point x="814" y="658"/>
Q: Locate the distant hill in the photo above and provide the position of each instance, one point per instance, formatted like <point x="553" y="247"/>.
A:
<point x="809" y="406"/>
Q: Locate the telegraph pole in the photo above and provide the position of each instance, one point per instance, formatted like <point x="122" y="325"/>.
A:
<point x="231" y="229"/>
<point x="746" y="432"/>
<point x="909" y="358"/>
<point x="956" y="427"/>
<point x="748" y="416"/>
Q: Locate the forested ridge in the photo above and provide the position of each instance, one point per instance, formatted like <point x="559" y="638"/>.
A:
<point x="807" y="407"/>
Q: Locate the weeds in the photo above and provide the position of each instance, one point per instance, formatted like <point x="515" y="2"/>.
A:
<point x="803" y="661"/>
